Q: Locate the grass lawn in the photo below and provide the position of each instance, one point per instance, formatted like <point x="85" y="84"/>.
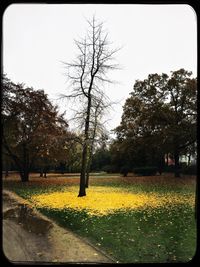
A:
<point x="134" y="219"/>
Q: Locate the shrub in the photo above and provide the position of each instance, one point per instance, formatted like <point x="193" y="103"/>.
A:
<point x="191" y="170"/>
<point x="145" y="171"/>
<point x="169" y="168"/>
<point x="124" y="170"/>
<point x="107" y="168"/>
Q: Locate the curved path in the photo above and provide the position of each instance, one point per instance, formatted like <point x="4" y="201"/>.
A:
<point x="29" y="236"/>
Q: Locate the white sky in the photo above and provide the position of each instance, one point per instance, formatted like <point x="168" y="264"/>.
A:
<point x="155" y="39"/>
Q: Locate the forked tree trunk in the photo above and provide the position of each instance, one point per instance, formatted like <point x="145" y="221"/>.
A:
<point x="91" y="148"/>
<point x="82" y="191"/>
<point x="43" y="173"/>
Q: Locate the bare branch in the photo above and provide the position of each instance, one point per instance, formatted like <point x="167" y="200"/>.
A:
<point x="86" y="74"/>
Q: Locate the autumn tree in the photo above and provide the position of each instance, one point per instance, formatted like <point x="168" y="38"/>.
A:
<point x="160" y="116"/>
<point x="56" y="150"/>
<point x="87" y="73"/>
<point x="182" y="103"/>
<point x="31" y="125"/>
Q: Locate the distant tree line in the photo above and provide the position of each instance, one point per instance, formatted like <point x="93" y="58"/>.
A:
<point x="159" y="118"/>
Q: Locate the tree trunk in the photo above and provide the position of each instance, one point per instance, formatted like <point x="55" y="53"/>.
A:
<point x="82" y="191"/>
<point x="196" y="202"/>
<point x="189" y="160"/>
<point x="25" y="170"/>
<point x="6" y="173"/>
<point x="87" y="175"/>
<point x="6" y="168"/>
<point x="177" y="166"/>
<point x="167" y="162"/>
<point x="24" y="176"/>
<point x="161" y="164"/>
<point x="87" y="179"/>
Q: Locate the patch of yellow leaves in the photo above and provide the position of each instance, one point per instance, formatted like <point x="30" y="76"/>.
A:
<point x="102" y="200"/>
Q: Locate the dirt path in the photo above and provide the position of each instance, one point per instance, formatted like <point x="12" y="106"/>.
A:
<point x="29" y="236"/>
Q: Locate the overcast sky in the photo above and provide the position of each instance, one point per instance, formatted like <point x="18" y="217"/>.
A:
<point x="155" y="39"/>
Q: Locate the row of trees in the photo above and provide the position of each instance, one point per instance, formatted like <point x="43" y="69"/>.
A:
<point x="36" y="137"/>
<point x="159" y="118"/>
<point x="34" y="134"/>
<point x="159" y="122"/>
<point x="86" y="74"/>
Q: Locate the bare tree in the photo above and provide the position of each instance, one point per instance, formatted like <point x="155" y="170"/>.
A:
<point x="97" y="129"/>
<point x="99" y="107"/>
<point x="86" y="74"/>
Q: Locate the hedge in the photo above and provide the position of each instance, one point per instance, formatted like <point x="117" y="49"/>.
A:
<point x="145" y="171"/>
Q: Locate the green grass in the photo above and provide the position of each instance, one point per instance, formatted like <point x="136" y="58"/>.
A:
<point x="166" y="234"/>
<point x="136" y="236"/>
